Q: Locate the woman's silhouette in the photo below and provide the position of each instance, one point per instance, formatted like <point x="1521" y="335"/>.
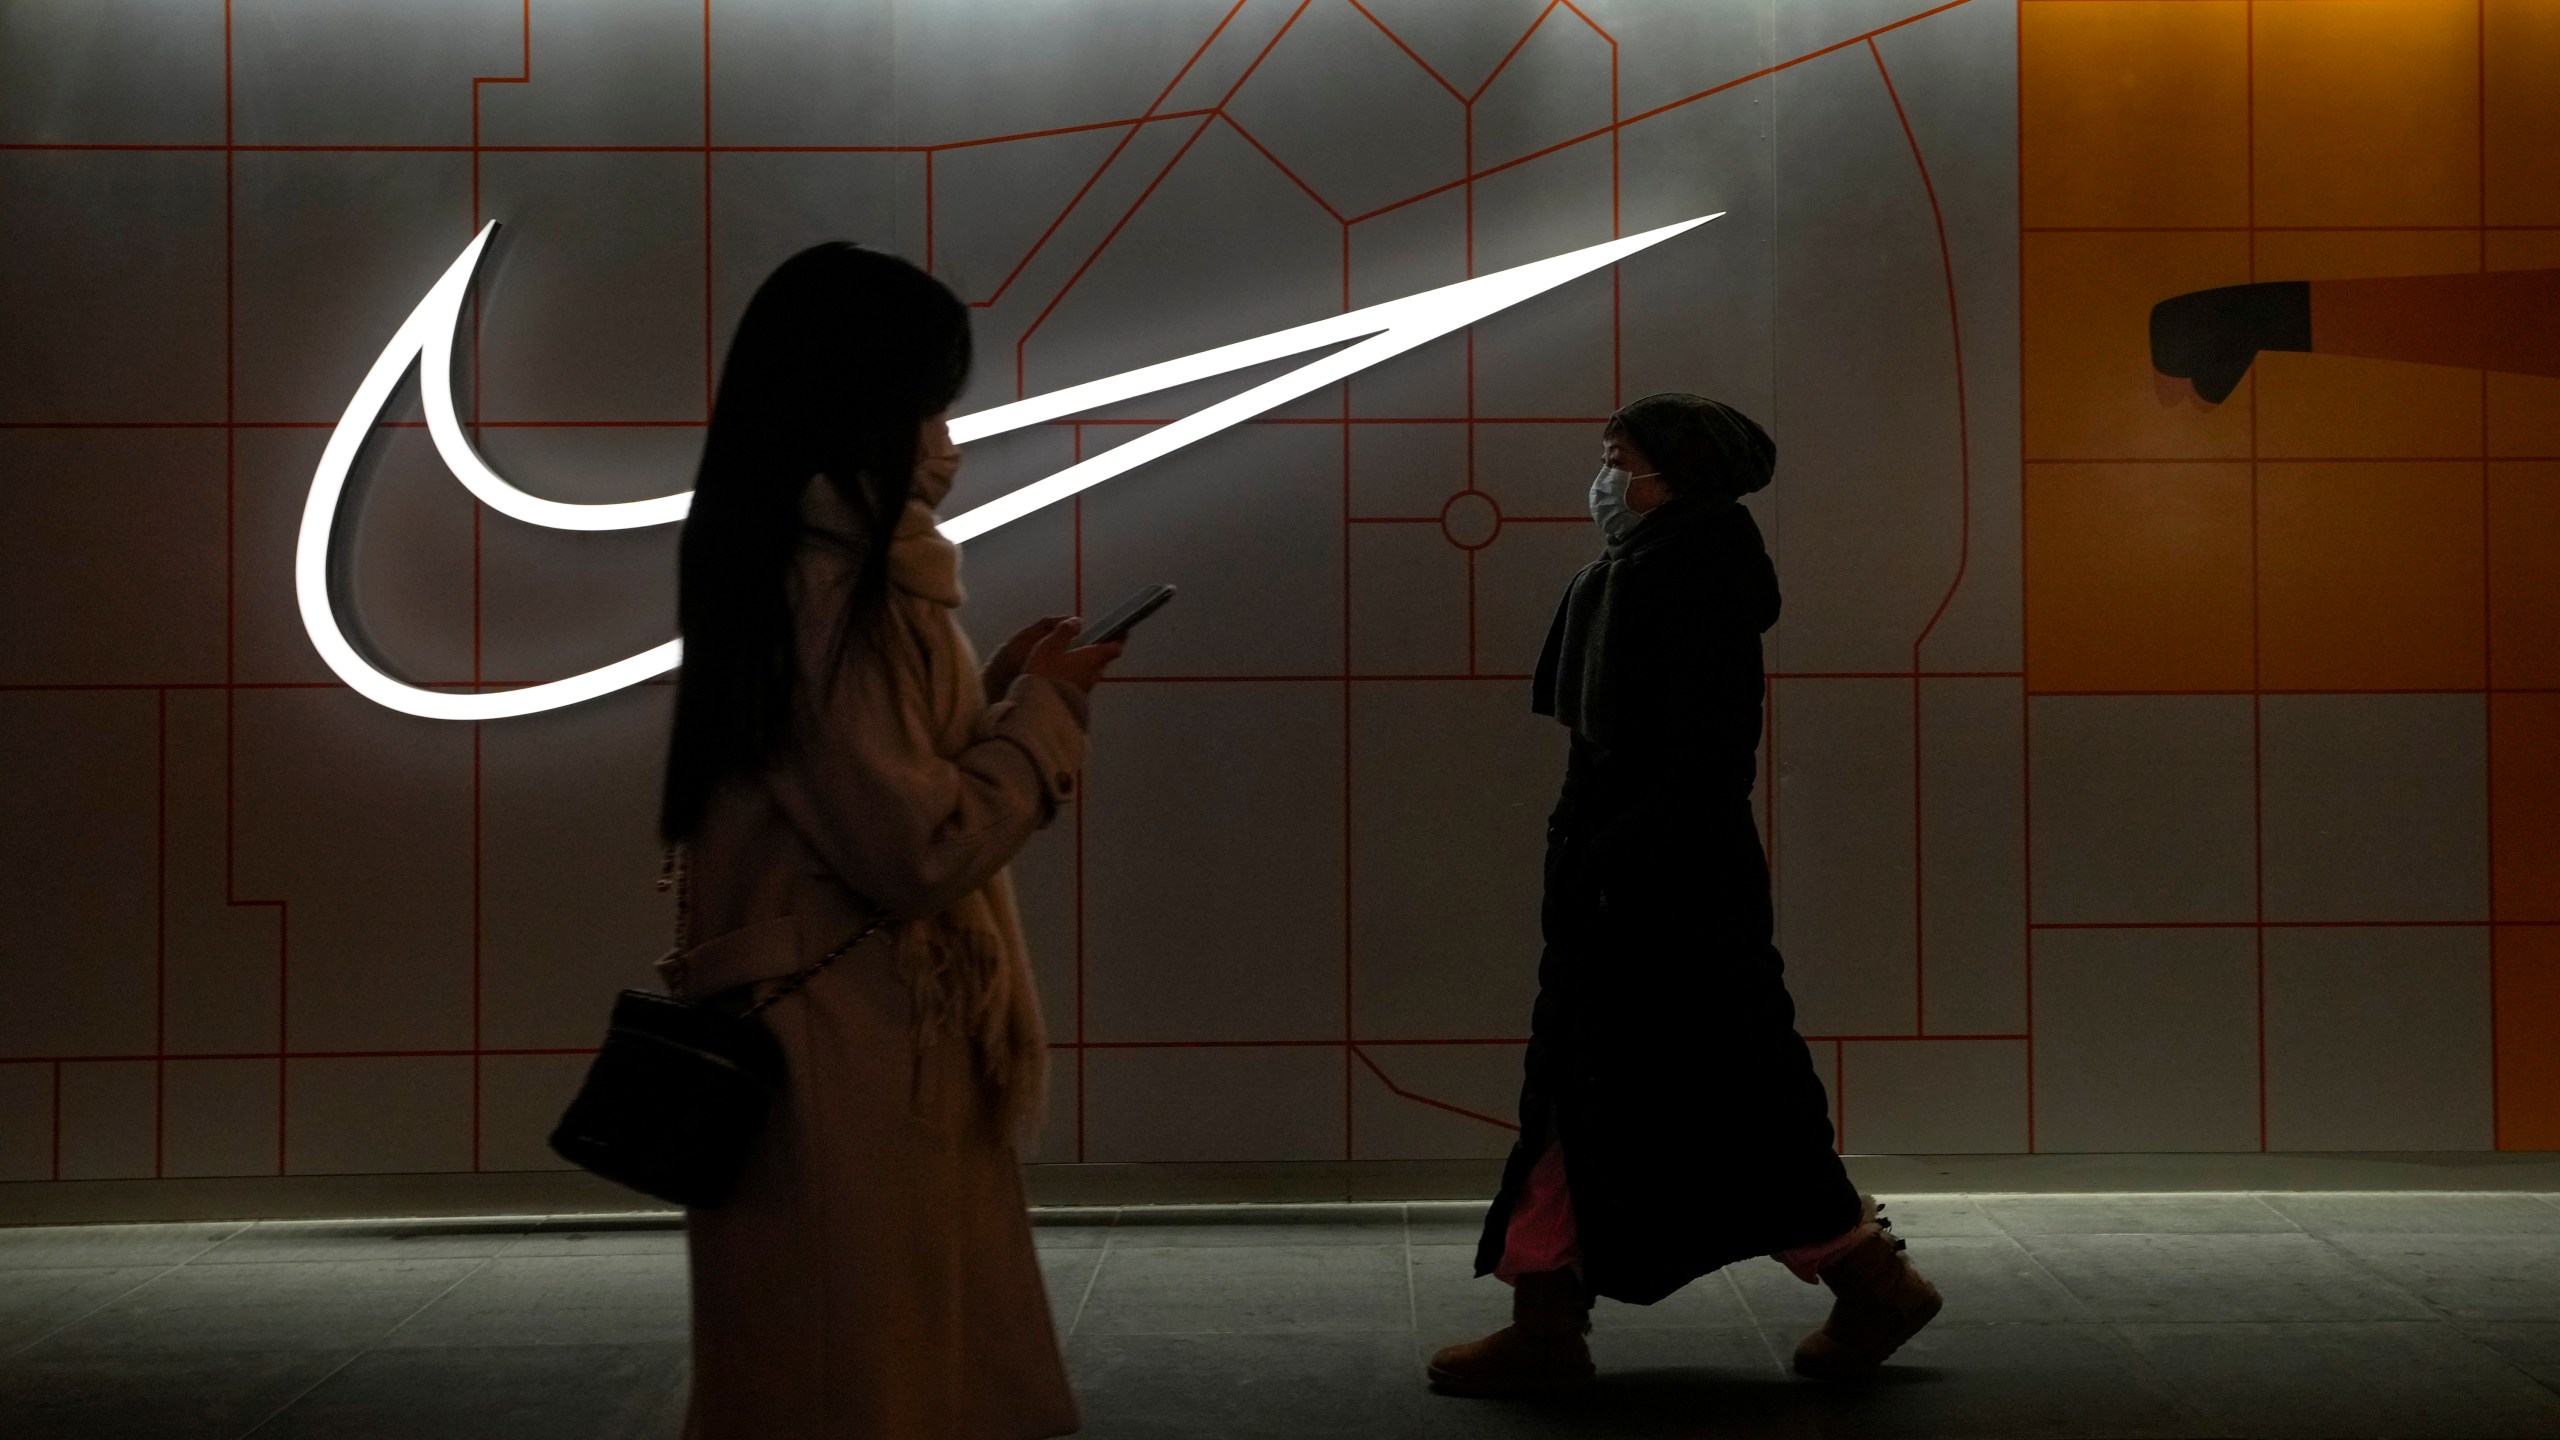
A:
<point x="1671" y="1121"/>
<point x="838" y="754"/>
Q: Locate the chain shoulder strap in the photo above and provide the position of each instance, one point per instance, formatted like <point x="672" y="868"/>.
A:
<point x="676" y="873"/>
<point x="823" y="961"/>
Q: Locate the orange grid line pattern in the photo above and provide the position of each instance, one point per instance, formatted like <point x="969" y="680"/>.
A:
<point x="1354" y="1050"/>
<point x="2070" y="143"/>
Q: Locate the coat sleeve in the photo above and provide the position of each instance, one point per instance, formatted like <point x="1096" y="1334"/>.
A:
<point x="907" y="827"/>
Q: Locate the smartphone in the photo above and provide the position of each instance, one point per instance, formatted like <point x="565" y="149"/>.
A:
<point x="1124" y="617"/>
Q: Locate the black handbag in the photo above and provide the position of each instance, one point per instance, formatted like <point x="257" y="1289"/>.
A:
<point x="678" y="1092"/>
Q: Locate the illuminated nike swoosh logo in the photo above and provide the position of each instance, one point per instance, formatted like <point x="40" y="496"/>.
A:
<point x="426" y="339"/>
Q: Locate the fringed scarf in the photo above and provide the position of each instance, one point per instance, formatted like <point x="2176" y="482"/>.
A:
<point x="967" y="968"/>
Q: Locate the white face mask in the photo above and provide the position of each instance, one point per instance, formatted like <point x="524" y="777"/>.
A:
<point x="1609" y="502"/>
<point x="937" y="463"/>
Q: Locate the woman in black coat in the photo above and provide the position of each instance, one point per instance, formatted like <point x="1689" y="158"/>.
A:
<point x="1663" y="1047"/>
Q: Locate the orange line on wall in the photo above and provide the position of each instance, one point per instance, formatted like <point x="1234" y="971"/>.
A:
<point x="1384" y="1079"/>
<point x="1616" y="125"/>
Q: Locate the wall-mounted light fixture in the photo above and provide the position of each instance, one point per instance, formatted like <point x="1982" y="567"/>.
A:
<point x="426" y="339"/>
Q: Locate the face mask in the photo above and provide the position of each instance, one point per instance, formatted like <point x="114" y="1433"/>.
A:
<point x="1609" y="502"/>
<point x="937" y="465"/>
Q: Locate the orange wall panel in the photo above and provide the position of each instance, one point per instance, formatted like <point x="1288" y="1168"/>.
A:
<point x="2528" y="1036"/>
<point x="2088" y="393"/>
<point x="2367" y="112"/>
<point x="2369" y="576"/>
<point x="2383" y="525"/>
<point x="2320" y="406"/>
<point x="2138" y="577"/>
<point x="2524" y="573"/>
<point x="2521" y="104"/>
<point x="2524" y="410"/>
<point x="2134" y="113"/>
<point x="2524" y="806"/>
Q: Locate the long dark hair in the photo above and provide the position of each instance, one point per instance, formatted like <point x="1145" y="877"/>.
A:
<point x="841" y="356"/>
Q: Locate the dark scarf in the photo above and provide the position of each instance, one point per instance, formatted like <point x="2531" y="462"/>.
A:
<point x="1573" y="682"/>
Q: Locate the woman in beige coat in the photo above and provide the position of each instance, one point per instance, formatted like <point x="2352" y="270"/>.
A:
<point x="838" y="755"/>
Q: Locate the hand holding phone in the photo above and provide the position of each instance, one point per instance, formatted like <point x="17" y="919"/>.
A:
<point x="1074" y="653"/>
<point x="1124" y="617"/>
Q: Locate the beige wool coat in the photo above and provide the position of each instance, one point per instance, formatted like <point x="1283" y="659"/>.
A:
<point x="873" y="1275"/>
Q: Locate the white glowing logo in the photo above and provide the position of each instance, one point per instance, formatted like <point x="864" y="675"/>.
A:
<point x="426" y="338"/>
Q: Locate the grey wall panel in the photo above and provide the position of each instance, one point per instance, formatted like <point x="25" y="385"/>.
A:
<point x="1411" y="471"/>
<point x="269" y="476"/>
<point x="1809" y="29"/>
<point x="996" y="67"/>
<point x="1218" y="1103"/>
<point x="80" y="888"/>
<point x="117" y="72"/>
<point x="2375" y="807"/>
<point x="1014" y="191"/>
<point x="557" y="852"/>
<point x="1846" y="889"/>
<point x="1214" y="864"/>
<point x="366" y="72"/>
<point x="112" y="306"/>
<point x="1553" y="90"/>
<point x="1231" y="214"/>
<point x="2145" y="808"/>
<point x="222" y="962"/>
<point x="104" y="574"/>
<point x="1247" y="526"/>
<point x="1461" y="44"/>
<point x="1869" y="486"/>
<point x="613" y="72"/>
<point x="1408" y="600"/>
<point x="1292" y="106"/>
<point x="1482" y="1080"/>
<point x="1451" y="783"/>
<point x="1973" y="851"/>
<point x="1966" y="132"/>
<point x="1668" y="53"/>
<point x="359" y="821"/>
<point x="1073" y="234"/>
<point x="804" y="74"/>
<point x="598" y="312"/>
<point x="2378" y="1038"/>
<point x="397" y="1115"/>
<point x="1955" y="1097"/>
<point x="1548" y="356"/>
<point x="27" y="1125"/>
<point x="1539" y="471"/>
<point x="2146" y="1040"/>
<point x="331" y="250"/>
<point x="1699" y="320"/>
<point x="106" y="1130"/>
<point x="218" y="1117"/>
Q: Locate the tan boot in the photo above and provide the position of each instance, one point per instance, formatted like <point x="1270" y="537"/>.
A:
<point x="1879" y="1301"/>
<point x="1540" y="1353"/>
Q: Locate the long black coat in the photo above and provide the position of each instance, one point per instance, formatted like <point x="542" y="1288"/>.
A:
<point x="1663" y="1046"/>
